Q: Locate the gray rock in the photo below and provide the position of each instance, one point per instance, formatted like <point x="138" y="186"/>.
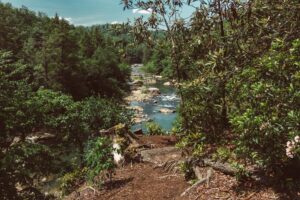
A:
<point x="154" y="91"/>
<point x="161" y="155"/>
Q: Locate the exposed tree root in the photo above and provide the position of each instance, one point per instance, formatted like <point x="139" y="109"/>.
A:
<point x="170" y="166"/>
<point x="91" y="188"/>
<point x="199" y="182"/>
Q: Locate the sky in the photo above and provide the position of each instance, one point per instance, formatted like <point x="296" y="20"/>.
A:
<point x="84" y="12"/>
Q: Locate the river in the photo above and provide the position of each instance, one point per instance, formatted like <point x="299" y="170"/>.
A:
<point x="151" y="107"/>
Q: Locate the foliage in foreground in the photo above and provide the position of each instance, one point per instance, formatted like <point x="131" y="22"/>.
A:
<point x="99" y="159"/>
<point x="25" y="111"/>
<point x="266" y="111"/>
<point x="154" y="129"/>
<point x="237" y="64"/>
<point x="70" y="181"/>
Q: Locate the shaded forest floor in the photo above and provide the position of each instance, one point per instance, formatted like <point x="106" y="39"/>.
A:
<point x="143" y="181"/>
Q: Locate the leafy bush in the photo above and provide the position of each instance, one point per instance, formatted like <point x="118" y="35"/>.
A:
<point x="154" y="129"/>
<point x="204" y="112"/>
<point x="24" y="110"/>
<point x="70" y="181"/>
<point x="266" y="111"/>
<point x="104" y="113"/>
<point x="293" y="148"/>
<point x="160" y="62"/>
<point x="20" y="165"/>
<point x="222" y="154"/>
<point x="193" y="141"/>
<point x="187" y="169"/>
<point x="149" y="67"/>
<point x="99" y="159"/>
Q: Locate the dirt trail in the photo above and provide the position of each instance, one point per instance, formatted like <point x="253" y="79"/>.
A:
<point x="144" y="181"/>
<point x="139" y="181"/>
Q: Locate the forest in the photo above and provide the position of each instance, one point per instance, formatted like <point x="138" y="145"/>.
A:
<point x="236" y="65"/>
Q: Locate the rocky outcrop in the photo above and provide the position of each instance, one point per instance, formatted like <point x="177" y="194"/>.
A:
<point x="140" y="94"/>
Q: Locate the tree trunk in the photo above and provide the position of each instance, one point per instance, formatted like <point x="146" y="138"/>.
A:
<point x="223" y="84"/>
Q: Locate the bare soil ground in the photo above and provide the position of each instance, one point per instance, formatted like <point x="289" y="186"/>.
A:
<point x="144" y="181"/>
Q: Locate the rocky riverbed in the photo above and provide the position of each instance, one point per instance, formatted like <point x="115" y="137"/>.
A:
<point x="153" y="99"/>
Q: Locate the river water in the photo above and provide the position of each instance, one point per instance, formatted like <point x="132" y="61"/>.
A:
<point x="167" y="99"/>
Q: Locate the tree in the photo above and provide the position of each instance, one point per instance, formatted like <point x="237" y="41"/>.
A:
<point x="165" y="16"/>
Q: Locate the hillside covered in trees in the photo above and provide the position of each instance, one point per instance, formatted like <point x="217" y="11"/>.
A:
<point x="235" y="65"/>
<point x="55" y="78"/>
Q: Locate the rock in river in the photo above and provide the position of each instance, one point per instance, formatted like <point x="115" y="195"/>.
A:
<point x="167" y="83"/>
<point x="166" y="110"/>
<point x="158" y="77"/>
<point x="154" y="91"/>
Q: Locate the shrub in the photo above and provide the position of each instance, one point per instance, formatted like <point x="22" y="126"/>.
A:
<point x="154" y="129"/>
<point x="223" y="154"/>
<point x="70" y="181"/>
<point x="266" y="111"/>
<point x="99" y="159"/>
<point x="293" y="148"/>
<point x="149" y="67"/>
<point x="203" y="107"/>
<point x="193" y="141"/>
<point x="187" y="169"/>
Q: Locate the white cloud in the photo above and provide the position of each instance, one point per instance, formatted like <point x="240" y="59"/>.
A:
<point x="115" y="22"/>
<point x="88" y="20"/>
<point x="144" y="12"/>
<point x="69" y="19"/>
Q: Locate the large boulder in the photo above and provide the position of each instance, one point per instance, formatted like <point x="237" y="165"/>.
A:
<point x="154" y="91"/>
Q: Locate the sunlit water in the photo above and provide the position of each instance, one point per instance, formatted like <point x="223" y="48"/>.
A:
<point x="167" y="99"/>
